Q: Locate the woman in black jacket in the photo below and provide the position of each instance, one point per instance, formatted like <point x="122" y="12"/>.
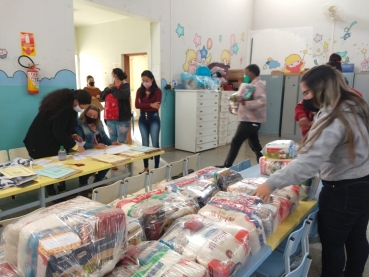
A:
<point x="54" y="125"/>
<point x="117" y="113"/>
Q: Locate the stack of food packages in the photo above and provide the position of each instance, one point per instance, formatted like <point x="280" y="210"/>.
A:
<point x="78" y="237"/>
<point x="277" y="154"/>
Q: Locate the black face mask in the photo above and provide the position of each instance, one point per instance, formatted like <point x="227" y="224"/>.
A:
<point x="90" y="120"/>
<point x="91" y="84"/>
<point x="308" y="104"/>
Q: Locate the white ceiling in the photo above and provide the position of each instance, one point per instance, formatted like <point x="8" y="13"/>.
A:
<point x="86" y="14"/>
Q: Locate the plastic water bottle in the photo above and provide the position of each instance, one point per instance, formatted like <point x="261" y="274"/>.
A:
<point x="62" y="154"/>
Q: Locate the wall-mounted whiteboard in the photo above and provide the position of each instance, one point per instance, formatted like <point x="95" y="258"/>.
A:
<point x="273" y="48"/>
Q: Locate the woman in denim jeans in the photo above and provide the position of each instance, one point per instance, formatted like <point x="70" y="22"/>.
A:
<point x="117" y="112"/>
<point x="337" y="147"/>
<point x="148" y="99"/>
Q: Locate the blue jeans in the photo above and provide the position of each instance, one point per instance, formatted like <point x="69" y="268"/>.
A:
<point x="118" y="130"/>
<point x="149" y="124"/>
<point x="342" y="222"/>
<point x="83" y="180"/>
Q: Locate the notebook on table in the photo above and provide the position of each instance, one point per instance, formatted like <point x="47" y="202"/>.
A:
<point x="145" y="149"/>
<point x="58" y="172"/>
<point x="111" y="159"/>
<point x="132" y="154"/>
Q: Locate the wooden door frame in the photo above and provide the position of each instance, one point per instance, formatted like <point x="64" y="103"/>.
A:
<point x="126" y="63"/>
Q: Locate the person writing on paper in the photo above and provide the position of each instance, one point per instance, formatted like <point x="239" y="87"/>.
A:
<point x="91" y="130"/>
<point x="117" y="113"/>
<point x="148" y="99"/>
<point x="94" y="92"/>
<point x="54" y="125"/>
<point x="337" y="147"/>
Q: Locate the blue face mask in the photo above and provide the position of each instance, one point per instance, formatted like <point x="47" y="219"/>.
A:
<point x="247" y="79"/>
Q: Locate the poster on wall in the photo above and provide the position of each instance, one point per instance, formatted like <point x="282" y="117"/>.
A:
<point x="28" y="46"/>
<point x="291" y="51"/>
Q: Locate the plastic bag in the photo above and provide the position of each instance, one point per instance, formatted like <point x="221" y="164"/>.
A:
<point x="152" y="258"/>
<point x="279" y="149"/>
<point x="221" y="248"/>
<point x="225" y="181"/>
<point x="78" y="237"/>
<point x="135" y="232"/>
<point x="269" y="166"/>
<point x="309" y="188"/>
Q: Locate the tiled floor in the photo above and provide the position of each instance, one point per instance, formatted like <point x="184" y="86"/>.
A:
<point x="208" y="158"/>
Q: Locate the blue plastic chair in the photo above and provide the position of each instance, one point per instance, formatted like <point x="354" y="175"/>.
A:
<point x="244" y="165"/>
<point x="278" y="263"/>
<point x="234" y="167"/>
<point x="303" y="269"/>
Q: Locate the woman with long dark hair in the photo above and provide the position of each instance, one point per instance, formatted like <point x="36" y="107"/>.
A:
<point x="117" y="112"/>
<point x="148" y="99"/>
<point x="337" y="147"/>
<point x="54" y="125"/>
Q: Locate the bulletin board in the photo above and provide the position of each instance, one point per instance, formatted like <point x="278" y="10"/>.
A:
<point x="282" y="49"/>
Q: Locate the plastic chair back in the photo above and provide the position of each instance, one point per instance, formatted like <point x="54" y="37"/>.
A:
<point x="18" y="153"/>
<point x="108" y="194"/>
<point x="244" y="165"/>
<point x="4" y="156"/>
<point x="135" y="183"/>
<point x="303" y="269"/>
<point x="177" y="168"/>
<point x="193" y="162"/>
<point x="157" y="175"/>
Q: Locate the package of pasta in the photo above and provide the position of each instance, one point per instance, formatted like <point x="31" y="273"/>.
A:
<point x="221" y="248"/>
<point x="252" y="206"/>
<point x="247" y="185"/>
<point x="79" y="238"/>
<point x="157" y="213"/>
<point x="278" y="149"/>
<point x="152" y="258"/>
<point x="135" y="232"/>
<point x="227" y="180"/>
<point x="269" y="166"/>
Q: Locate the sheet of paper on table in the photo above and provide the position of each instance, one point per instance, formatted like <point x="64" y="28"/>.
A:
<point x="78" y="158"/>
<point x="16" y="171"/>
<point x="116" y="149"/>
<point x="41" y="162"/>
<point x="53" y="164"/>
<point x="80" y="143"/>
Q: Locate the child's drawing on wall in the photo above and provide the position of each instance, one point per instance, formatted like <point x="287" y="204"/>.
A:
<point x="225" y="57"/>
<point x="190" y="64"/>
<point x="294" y="64"/>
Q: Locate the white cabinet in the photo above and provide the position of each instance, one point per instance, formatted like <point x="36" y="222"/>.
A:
<point x="228" y="122"/>
<point x="196" y="120"/>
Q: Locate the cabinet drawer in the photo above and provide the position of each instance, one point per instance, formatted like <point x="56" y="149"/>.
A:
<point x="206" y="125"/>
<point x="222" y="140"/>
<point x="229" y="139"/>
<point x="207" y="110"/>
<point x="223" y="114"/>
<point x="206" y="132"/>
<point x="206" y="146"/>
<point x="223" y="102"/>
<point x="232" y="126"/>
<point x="206" y="139"/>
<point x="232" y="118"/>
<point x="223" y="128"/>
<point x="223" y="121"/>
<point x="226" y="94"/>
<point x="224" y="109"/>
<point x="207" y="95"/>
<point x="207" y="103"/>
<point x="207" y="117"/>
<point x="222" y="134"/>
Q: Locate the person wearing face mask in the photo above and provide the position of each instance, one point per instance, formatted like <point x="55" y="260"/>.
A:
<point x="94" y="92"/>
<point x="337" y="147"/>
<point x="117" y="113"/>
<point x="148" y="99"/>
<point x="91" y="130"/>
<point x="250" y="115"/>
<point x="54" y="125"/>
<point x="305" y="111"/>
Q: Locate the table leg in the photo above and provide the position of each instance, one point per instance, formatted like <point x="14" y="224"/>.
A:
<point x="130" y="169"/>
<point x="42" y="197"/>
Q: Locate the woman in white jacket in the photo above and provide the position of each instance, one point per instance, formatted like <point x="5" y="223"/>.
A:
<point x="337" y="146"/>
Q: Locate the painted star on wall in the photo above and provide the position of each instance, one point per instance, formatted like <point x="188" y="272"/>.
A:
<point x="235" y="48"/>
<point x="364" y="51"/>
<point x="197" y="40"/>
<point x="180" y="30"/>
<point x="203" y="53"/>
<point x="318" y="38"/>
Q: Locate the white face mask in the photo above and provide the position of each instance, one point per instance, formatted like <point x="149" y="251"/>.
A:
<point x="78" y="109"/>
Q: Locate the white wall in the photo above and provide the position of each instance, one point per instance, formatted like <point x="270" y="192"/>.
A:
<point x="211" y="19"/>
<point x="102" y="45"/>
<point x="301" y="13"/>
<point x="53" y="33"/>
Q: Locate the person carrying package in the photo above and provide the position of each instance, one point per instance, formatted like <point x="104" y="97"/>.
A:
<point x="250" y="114"/>
<point x="337" y="146"/>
